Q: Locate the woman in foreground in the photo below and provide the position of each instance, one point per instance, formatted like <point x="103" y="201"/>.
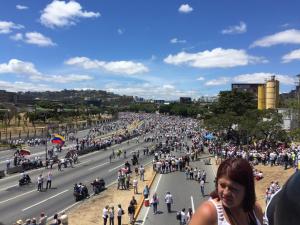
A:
<point x="233" y="202"/>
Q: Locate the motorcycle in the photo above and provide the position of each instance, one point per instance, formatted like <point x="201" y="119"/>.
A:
<point x="24" y="180"/>
<point x="98" y="185"/>
<point x="80" y="192"/>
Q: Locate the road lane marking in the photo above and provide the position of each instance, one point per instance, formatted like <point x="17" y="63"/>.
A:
<point x="4" y="189"/>
<point x="83" y="162"/>
<point x="70" y="206"/>
<point x="17" y="196"/>
<point x="155" y="189"/>
<point x="98" y="166"/>
<point x="192" y="202"/>
<point x="29" y="207"/>
<point x="115" y="168"/>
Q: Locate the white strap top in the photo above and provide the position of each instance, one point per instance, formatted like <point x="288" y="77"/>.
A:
<point x="220" y="214"/>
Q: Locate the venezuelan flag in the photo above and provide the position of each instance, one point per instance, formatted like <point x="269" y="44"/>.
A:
<point x="58" y="139"/>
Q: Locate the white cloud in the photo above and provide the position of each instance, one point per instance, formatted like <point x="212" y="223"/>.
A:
<point x="285" y="37"/>
<point x="8" y="26"/>
<point x="39" y="39"/>
<point x="293" y="55"/>
<point x="17" y="37"/>
<point x="185" y="8"/>
<point x="61" y="14"/>
<point x="63" y="78"/>
<point x="120" y="31"/>
<point x="18" y="67"/>
<point x="261" y="78"/>
<point x="151" y="91"/>
<point x="118" y="67"/>
<point x="237" y="29"/>
<point x="34" y="38"/>
<point x="216" y="58"/>
<point x="285" y="25"/>
<point x="21" y="7"/>
<point x="24" y="86"/>
<point x="201" y="78"/>
<point x="217" y="82"/>
<point x="176" y="41"/>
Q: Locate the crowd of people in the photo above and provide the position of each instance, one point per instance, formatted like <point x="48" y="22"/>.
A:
<point x="178" y="142"/>
<point x="58" y="219"/>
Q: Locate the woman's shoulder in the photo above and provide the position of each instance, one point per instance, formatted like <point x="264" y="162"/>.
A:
<point x="206" y="214"/>
<point x="258" y="212"/>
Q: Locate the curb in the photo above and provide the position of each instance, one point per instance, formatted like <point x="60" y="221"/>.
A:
<point x="140" y="205"/>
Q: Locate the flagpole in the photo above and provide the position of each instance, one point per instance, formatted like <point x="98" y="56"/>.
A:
<point x="46" y="150"/>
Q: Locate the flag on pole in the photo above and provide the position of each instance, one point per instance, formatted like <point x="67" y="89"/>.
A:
<point x="58" y="139"/>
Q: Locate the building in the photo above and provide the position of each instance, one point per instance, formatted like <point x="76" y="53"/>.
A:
<point x="185" y="100"/>
<point x="290" y="118"/>
<point x="267" y="94"/>
<point x="244" y="87"/>
<point x="159" y="101"/>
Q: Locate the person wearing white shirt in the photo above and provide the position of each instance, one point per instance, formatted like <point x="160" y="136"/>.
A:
<point x="169" y="201"/>
<point x="49" y="180"/>
<point x="105" y="214"/>
<point x="135" y="186"/>
<point x="120" y="213"/>
<point x="183" y="217"/>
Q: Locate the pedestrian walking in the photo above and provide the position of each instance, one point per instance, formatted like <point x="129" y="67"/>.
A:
<point x="154" y="202"/>
<point x="49" y="180"/>
<point x="202" y="187"/>
<point x="135" y="186"/>
<point x="142" y="173"/>
<point x="189" y="215"/>
<point x="105" y="214"/>
<point x="40" y="182"/>
<point x="169" y="201"/>
<point x="146" y="191"/>
<point x="112" y="216"/>
<point x="131" y="211"/>
<point x="42" y="219"/>
<point x="183" y="217"/>
<point x="120" y="213"/>
<point x="59" y="165"/>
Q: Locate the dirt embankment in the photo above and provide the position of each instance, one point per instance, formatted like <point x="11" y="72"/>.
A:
<point x="89" y="212"/>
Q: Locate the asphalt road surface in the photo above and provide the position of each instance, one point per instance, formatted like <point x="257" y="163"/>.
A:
<point x="26" y="202"/>
<point x="186" y="194"/>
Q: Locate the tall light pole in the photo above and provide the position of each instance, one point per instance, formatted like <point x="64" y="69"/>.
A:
<point x="298" y="98"/>
<point x="46" y="144"/>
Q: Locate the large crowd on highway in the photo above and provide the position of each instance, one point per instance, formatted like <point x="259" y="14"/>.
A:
<point x="176" y="142"/>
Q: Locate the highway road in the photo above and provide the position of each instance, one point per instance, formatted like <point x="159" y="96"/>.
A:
<point x="26" y="202"/>
<point x="39" y="150"/>
<point x="186" y="194"/>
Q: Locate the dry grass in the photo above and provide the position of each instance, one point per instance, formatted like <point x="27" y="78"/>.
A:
<point x="274" y="173"/>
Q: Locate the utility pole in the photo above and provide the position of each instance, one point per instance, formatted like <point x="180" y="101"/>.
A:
<point x="298" y="99"/>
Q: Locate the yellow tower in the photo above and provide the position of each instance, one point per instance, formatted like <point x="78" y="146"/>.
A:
<point x="272" y="93"/>
<point x="261" y="96"/>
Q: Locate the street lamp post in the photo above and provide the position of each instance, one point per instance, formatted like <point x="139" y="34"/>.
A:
<point x="46" y="144"/>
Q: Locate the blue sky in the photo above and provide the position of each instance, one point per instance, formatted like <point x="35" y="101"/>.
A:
<point x="149" y="48"/>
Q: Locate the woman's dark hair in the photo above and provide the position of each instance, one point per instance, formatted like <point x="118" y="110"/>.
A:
<point x="240" y="171"/>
